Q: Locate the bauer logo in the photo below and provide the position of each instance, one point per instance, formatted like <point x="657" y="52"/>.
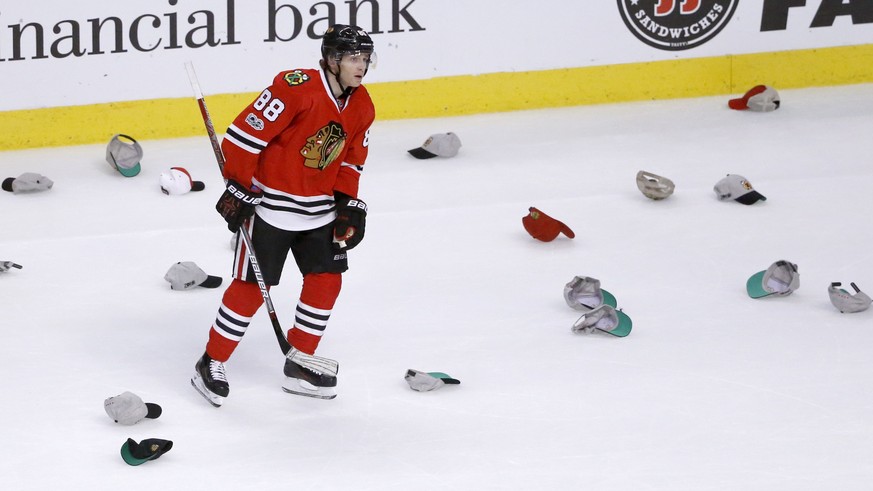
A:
<point x="675" y="25"/>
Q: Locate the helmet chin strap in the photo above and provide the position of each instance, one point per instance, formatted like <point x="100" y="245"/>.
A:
<point x="346" y="91"/>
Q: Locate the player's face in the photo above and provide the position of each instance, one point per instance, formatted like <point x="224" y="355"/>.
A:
<point x="353" y="66"/>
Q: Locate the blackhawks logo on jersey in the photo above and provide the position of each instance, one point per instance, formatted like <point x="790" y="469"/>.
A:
<point x="296" y="77"/>
<point x="322" y="148"/>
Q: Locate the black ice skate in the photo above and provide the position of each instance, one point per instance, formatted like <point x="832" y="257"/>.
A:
<point x="210" y="380"/>
<point x="308" y="381"/>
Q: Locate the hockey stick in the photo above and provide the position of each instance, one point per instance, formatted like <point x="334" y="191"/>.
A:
<point x="244" y="233"/>
<point x="310" y="361"/>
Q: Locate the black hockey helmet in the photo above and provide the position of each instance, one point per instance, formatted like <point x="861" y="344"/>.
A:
<point x="340" y="39"/>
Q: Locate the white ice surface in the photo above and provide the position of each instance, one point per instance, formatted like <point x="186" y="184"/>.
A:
<point x="712" y="390"/>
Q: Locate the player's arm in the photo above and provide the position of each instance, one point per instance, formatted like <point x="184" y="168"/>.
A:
<point x="249" y="134"/>
<point x="350" y="170"/>
<point x="351" y="211"/>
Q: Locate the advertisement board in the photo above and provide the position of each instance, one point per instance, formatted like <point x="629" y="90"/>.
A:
<point x="94" y="52"/>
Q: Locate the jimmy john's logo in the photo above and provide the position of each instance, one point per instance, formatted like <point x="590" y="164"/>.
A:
<point x="322" y="148"/>
<point x="675" y="25"/>
<point x="296" y="77"/>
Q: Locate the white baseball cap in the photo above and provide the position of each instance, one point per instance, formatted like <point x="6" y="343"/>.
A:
<point x="178" y="180"/>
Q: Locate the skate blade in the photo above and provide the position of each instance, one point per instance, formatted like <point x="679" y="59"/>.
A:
<point x="302" y="388"/>
<point x="213" y="399"/>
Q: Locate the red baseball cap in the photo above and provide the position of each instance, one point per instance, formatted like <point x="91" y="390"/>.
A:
<point x="543" y="227"/>
<point x="760" y="98"/>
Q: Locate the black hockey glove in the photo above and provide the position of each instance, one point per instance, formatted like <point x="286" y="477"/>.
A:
<point x="351" y="218"/>
<point x="236" y="204"/>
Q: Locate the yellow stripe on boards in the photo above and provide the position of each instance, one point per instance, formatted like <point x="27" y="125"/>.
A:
<point x="460" y="95"/>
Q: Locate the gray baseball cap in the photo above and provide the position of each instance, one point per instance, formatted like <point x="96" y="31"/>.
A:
<point x="604" y="318"/>
<point x="124" y="154"/>
<point x="128" y="409"/>
<point x="781" y="278"/>
<point x="654" y="186"/>
<point x="584" y="293"/>
<point x="186" y="275"/>
<point x="27" y="182"/>
<point x="738" y="188"/>
<point x="427" y="381"/>
<point x="438" y="145"/>
<point x="845" y="302"/>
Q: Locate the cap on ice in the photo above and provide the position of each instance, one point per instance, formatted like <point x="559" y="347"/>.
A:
<point x="760" y="98"/>
<point x="584" y="293"/>
<point x="27" y="183"/>
<point x="128" y="409"/>
<point x="186" y="275"/>
<point x="781" y="278"/>
<point x="846" y="302"/>
<point x="135" y="453"/>
<point x="543" y="227"/>
<point x="124" y="155"/>
<point x="427" y="381"/>
<point x="604" y="318"/>
<point x="654" y="186"/>
<point x="178" y="180"/>
<point x="438" y="145"/>
<point x="737" y="188"/>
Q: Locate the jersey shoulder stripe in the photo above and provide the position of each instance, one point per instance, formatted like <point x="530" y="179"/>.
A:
<point x="244" y="140"/>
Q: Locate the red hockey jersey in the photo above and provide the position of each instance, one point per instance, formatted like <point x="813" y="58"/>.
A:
<point x="298" y="146"/>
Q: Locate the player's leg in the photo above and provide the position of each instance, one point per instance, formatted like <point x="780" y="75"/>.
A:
<point x="322" y="269"/>
<point x="240" y="302"/>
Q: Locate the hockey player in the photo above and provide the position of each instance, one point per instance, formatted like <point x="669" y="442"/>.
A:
<point x="294" y="158"/>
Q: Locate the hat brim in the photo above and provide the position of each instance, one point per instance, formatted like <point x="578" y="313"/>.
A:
<point x="624" y="326"/>
<point x="153" y="410"/>
<point x="755" y="285"/>
<point x="751" y="198"/>
<point x="211" y="282"/>
<point x="128" y="172"/>
<point x="197" y="186"/>
<point x="127" y="453"/>
<point x="446" y="378"/>
<point x="609" y="298"/>
<point x="421" y="153"/>
<point x="738" y="104"/>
